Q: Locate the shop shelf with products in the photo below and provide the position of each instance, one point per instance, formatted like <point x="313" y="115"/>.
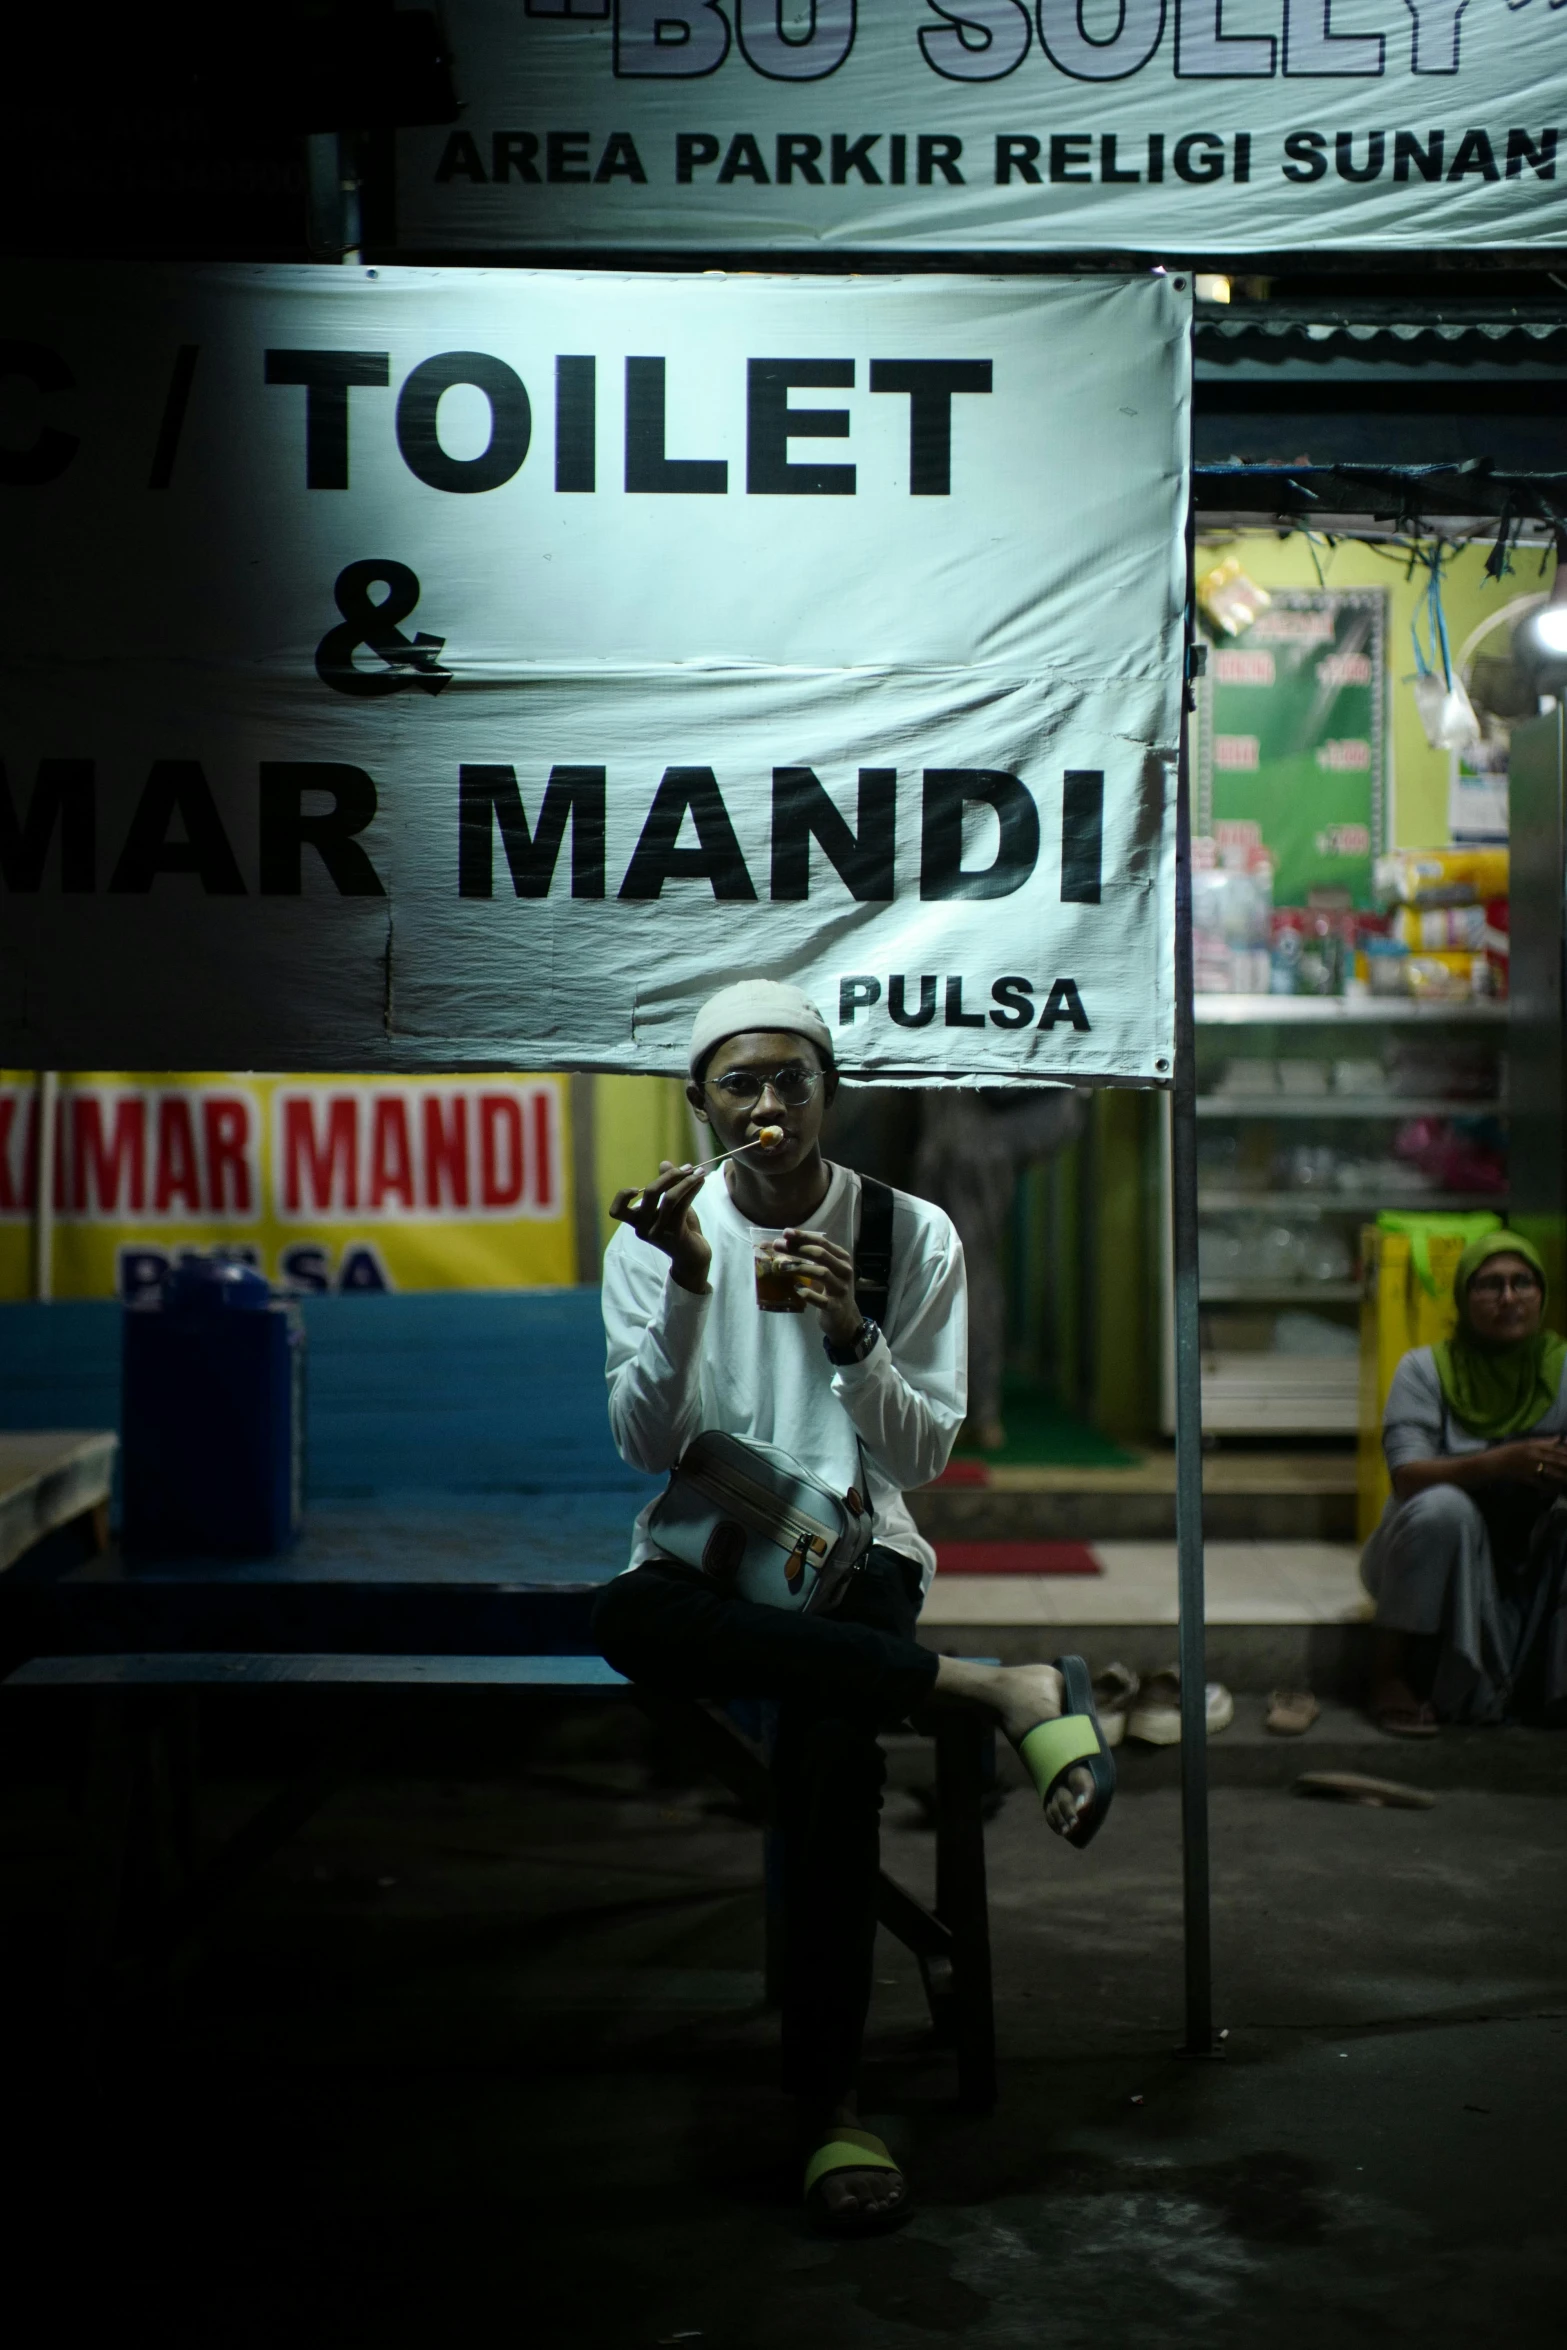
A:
<point x="1306" y="1134"/>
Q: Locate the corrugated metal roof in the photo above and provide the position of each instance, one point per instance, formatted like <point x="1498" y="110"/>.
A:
<point x="1403" y="330"/>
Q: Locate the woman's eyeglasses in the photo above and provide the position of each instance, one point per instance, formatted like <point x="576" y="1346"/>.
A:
<point x="1505" y="1285"/>
<point x="794" y="1085"/>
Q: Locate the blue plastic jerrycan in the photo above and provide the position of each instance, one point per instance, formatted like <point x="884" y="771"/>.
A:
<point x="212" y="1416"/>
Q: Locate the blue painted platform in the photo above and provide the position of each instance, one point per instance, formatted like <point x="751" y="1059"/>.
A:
<point x="463" y="1493"/>
<point x="216" y="1670"/>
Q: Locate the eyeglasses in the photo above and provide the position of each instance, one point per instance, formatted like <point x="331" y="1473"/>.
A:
<point x="794" y="1085"/>
<point x="1505" y="1285"/>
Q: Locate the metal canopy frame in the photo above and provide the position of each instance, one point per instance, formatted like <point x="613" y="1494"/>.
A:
<point x="1190" y="1571"/>
<point x="1451" y="501"/>
<point x="1470" y="500"/>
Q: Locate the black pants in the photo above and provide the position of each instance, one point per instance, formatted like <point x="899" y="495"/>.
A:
<point x="838" y="1680"/>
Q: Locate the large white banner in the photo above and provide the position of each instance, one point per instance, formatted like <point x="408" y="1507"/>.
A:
<point x="451" y="669"/>
<point x="1153" y="126"/>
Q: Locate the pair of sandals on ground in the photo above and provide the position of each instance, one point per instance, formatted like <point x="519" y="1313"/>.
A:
<point x="1050" y="1752"/>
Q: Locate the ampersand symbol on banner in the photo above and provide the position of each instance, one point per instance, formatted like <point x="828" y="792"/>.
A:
<point x="371" y="622"/>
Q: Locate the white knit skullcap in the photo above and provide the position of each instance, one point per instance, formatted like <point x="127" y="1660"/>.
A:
<point x="756" y="1004"/>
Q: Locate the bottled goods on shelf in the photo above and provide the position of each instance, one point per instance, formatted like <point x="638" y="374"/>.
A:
<point x="1439" y="934"/>
<point x="1313" y="950"/>
<point x="1276" y="1252"/>
<point x="1300" y="1333"/>
<point x="1426" y="1155"/>
<point x="1457" y="1071"/>
<point x="1232" y="914"/>
<point x="1365" y="1148"/>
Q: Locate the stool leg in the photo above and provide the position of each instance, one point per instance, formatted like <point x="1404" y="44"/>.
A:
<point x="109" y="1796"/>
<point x="961" y="1901"/>
<point x="764" y="1731"/>
<point x="772" y="1918"/>
<point x="184" y="1763"/>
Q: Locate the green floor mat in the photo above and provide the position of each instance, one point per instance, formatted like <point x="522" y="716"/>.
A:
<point x="1043" y="1434"/>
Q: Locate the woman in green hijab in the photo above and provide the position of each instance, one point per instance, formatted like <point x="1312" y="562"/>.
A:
<point x="1466" y="1567"/>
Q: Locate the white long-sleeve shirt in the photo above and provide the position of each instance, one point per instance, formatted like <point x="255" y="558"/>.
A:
<point x="679" y="1363"/>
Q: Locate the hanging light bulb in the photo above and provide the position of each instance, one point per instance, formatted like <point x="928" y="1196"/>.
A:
<point x="1549" y="624"/>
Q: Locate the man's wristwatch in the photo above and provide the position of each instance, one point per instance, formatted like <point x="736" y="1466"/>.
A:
<point x="855" y="1349"/>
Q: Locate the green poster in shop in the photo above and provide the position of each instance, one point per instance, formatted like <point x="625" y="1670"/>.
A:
<point x="1292" y="738"/>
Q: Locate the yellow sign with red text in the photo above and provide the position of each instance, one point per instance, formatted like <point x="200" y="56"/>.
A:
<point x="323" y="1183"/>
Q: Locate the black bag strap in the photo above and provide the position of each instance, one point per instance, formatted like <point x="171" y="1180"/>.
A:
<point x="873" y="1249"/>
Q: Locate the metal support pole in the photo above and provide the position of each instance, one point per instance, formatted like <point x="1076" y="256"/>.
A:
<point x="46" y="1097"/>
<point x="584" y="1175"/>
<point x="353" y="196"/>
<point x="333" y="205"/>
<point x="1188" y="1414"/>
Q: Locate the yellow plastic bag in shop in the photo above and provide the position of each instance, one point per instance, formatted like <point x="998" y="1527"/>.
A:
<point x="1409" y="1261"/>
<point x="1450" y="977"/>
<point x="1440" y="877"/>
<point x="1436" y="1242"/>
<point x="1439" y="930"/>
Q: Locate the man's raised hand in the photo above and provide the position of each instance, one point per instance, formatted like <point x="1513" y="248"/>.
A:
<point x="828" y="1281"/>
<point x="661" y="1213"/>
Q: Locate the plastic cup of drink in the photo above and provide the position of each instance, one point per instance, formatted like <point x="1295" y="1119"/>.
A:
<point x="776" y="1291"/>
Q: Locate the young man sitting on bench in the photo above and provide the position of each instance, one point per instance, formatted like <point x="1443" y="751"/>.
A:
<point x="730" y="1305"/>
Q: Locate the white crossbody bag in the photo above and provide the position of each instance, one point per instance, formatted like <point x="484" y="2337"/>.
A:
<point x="760" y="1523"/>
<point x="754" y="1518"/>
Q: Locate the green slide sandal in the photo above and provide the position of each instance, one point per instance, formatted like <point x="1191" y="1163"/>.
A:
<point x="850" y="2148"/>
<point x="1051" y="1749"/>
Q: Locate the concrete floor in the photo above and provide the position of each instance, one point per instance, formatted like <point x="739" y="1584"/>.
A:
<point x="489" y="2060"/>
<point x="1279" y="1614"/>
<point x="1247" y="1583"/>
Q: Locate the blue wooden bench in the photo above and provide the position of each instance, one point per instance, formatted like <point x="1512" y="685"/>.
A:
<point x="463" y="1492"/>
<point x="464" y="1507"/>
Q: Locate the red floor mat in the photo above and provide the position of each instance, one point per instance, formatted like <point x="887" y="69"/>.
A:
<point x="1017" y="1558"/>
<point x="964" y="1473"/>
